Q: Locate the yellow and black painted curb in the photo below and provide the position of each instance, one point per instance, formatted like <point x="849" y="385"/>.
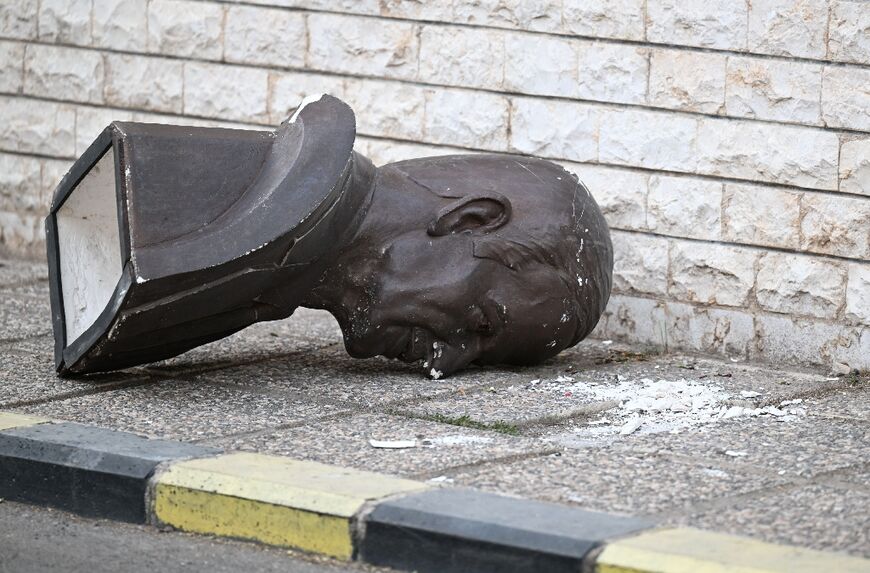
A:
<point x="350" y="514"/>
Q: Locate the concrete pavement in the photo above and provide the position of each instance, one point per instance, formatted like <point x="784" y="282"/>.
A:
<point x="749" y="449"/>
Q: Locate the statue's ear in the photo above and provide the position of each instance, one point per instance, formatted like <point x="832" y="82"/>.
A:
<point x="478" y="213"/>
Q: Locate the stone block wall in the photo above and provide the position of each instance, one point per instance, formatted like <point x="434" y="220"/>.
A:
<point x="727" y="141"/>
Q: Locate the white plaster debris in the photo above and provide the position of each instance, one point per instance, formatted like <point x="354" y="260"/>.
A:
<point x="435" y="374"/>
<point x="647" y="405"/>
<point x="630" y="426"/>
<point x="735" y="454"/>
<point x="440" y="479"/>
<point x="393" y="444"/>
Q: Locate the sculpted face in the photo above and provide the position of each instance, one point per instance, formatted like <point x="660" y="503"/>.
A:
<point x="453" y="266"/>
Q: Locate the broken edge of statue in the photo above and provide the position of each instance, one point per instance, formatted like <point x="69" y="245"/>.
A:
<point x="162" y="238"/>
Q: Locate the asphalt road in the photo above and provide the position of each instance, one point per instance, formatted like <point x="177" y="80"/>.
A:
<point x="34" y="539"/>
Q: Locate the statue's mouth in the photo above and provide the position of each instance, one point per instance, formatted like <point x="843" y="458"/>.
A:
<point x="416" y="344"/>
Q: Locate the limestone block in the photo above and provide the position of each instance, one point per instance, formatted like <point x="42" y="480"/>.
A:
<point x="20" y="183"/>
<point x="185" y="28"/>
<point x="774" y="89"/>
<point x="90" y="122"/>
<point x="225" y="92"/>
<point x="693" y="81"/>
<point x="556" y="129"/>
<point x="33" y="126"/>
<point x="790" y="340"/>
<point x="620" y="194"/>
<point x="466" y="119"/>
<point x="53" y="171"/>
<point x="18" y="19"/>
<point x="287" y="89"/>
<point x="11" y="67"/>
<point x="640" y="264"/>
<point x="836" y="225"/>
<point x="800" y="284"/>
<point x="711" y="274"/>
<point x="802" y="156"/>
<point x="362" y="46"/>
<point x="855" y="167"/>
<point x="849" y="32"/>
<point x="620" y="19"/>
<point x="65" y="21"/>
<point x="67" y="73"/>
<point x="440" y="10"/>
<point x="709" y="330"/>
<point x="21" y="233"/>
<point x="539" y="16"/>
<point x="471" y="57"/>
<point x="540" y="65"/>
<point x="636" y="320"/>
<point x="381" y="151"/>
<point x="758" y="215"/>
<point x="144" y="82"/>
<point x="788" y="27"/>
<point x="846" y="97"/>
<point x="684" y="207"/>
<point x="120" y="24"/>
<point x="648" y="139"/>
<point x="265" y="37"/>
<point x="387" y="109"/>
<point x="719" y="24"/>
<point x="612" y="72"/>
<point x="858" y="293"/>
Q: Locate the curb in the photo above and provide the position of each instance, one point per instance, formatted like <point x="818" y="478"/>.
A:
<point x="355" y="515"/>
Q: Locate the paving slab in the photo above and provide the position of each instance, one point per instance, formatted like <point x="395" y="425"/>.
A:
<point x="15" y="273"/>
<point x="854" y="403"/>
<point x="330" y="374"/>
<point x="811" y="516"/>
<point x="345" y="442"/>
<point x="546" y="394"/>
<point x="803" y="447"/>
<point x="183" y="410"/>
<point x="26" y="378"/>
<point x="90" y="471"/>
<point x="615" y="480"/>
<point x="859" y="476"/>
<point x="24" y="316"/>
<point x="306" y="331"/>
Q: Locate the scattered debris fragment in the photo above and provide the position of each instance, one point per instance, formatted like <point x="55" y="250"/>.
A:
<point x="791" y="402"/>
<point x="630" y="426"/>
<point x="441" y="479"/>
<point x="393" y="444"/>
<point x="750" y="394"/>
<point x="735" y="454"/>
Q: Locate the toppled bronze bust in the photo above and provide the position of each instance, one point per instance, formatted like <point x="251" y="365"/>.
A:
<point x="163" y="238"/>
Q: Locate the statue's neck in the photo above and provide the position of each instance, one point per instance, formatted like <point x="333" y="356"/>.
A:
<point x="315" y="254"/>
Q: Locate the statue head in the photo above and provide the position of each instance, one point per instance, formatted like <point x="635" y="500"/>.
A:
<point x="467" y="259"/>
